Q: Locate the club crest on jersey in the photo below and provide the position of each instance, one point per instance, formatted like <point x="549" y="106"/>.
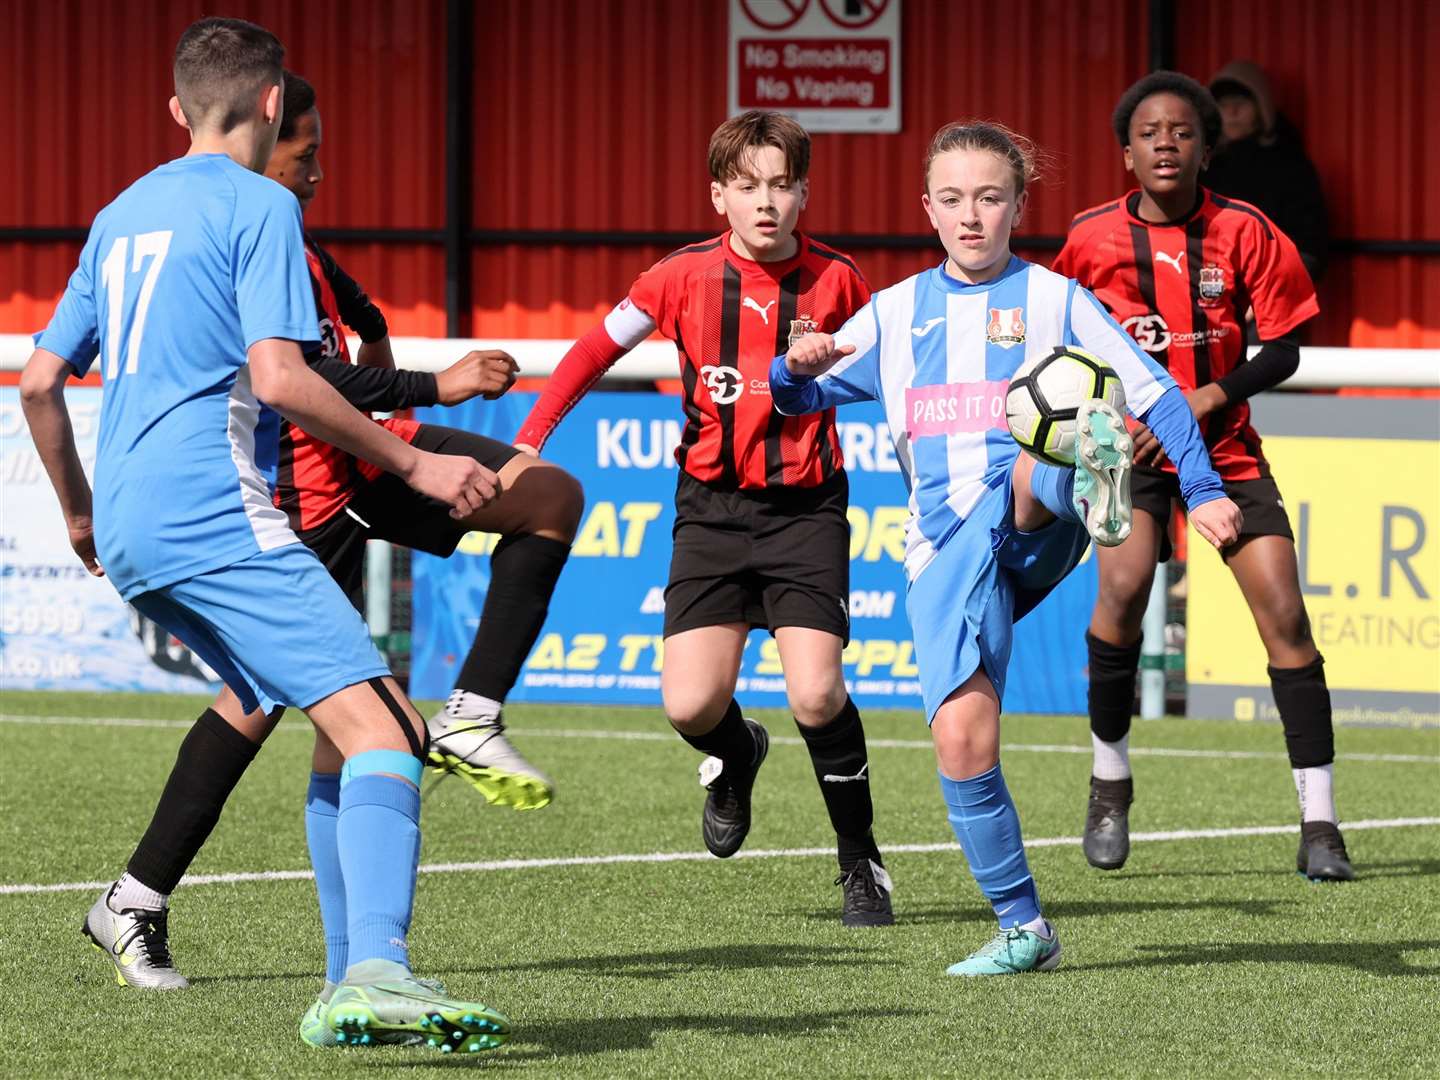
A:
<point x="1006" y="327"/>
<point x="1212" y="283"/>
<point x="802" y="325"/>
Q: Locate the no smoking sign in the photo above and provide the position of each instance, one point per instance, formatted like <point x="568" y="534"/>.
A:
<point x="832" y="64"/>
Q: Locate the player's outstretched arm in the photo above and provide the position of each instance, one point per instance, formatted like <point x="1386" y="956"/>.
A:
<point x="281" y="379"/>
<point x="580" y="369"/>
<point x="42" y="397"/>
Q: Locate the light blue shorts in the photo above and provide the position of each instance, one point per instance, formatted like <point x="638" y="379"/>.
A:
<point x="275" y="627"/>
<point x="963" y="607"/>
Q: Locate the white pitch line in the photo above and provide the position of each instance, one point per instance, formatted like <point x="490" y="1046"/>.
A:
<point x="783" y="740"/>
<point x="703" y="856"/>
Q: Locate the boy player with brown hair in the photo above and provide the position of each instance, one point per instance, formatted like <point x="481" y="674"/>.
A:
<point x="761" y="537"/>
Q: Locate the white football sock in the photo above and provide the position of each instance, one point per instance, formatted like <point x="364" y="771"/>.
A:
<point x="1038" y="925"/>
<point x="1317" y="796"/>
<point x="128" y="894"/>
<point x="1112" y="759"/>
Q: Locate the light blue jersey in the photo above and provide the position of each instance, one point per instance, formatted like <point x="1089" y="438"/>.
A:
<point x="181" y="274"/>
<point x="939" y="355"/>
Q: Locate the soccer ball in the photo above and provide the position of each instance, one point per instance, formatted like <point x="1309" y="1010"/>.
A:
<point x="1045" y="395"/>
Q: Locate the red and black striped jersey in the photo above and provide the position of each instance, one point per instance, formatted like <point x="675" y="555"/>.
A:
<point x="1183" y="289"/>
<point x="315" y="480"/>
<point x="729" y="318"/>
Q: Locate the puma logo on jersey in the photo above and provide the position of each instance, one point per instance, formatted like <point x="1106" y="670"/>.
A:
<point x="754" y="305"/>
<point x="1173" y="260"/>
<point x="930" y="324"/>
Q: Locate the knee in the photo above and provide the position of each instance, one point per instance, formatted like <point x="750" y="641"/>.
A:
<point x="816" y="702"/>
<point x="1124" y="594"/>
<point x="566" y="503"/>
<point x="1286" y="632"/>
<point x="694" y="710"/>
<point x="966" y="750"/>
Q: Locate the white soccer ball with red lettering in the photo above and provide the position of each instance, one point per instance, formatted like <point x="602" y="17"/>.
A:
<point x="1046" y="393"/>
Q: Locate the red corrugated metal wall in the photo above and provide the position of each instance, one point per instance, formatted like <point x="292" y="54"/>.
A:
<point x="594" y="116"/>
<point x="88" y="85"/>
<point x="1360" y="82"/>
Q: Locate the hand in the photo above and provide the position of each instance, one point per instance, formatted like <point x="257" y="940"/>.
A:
<point x="1205" y="400"/>
<point x="486" y="373"/>
<point x="82" y="539"/>
<point x="1218" y="521"/>
<point x="1148" y="450"/>
<point x="460" y="481"/>
<point x="815" y="354"/>
<point x="526" y="448"/>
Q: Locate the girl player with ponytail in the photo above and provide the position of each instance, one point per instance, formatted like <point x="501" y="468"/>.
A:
<point x="1179" y="266"/>
<point x="991" y="530"/>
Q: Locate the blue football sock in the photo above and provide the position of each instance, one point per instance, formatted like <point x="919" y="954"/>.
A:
<point x="322" y="805"/>
<point x="1055" y="488"/>
<point x="379" y="841"/>
<point x="988" y="828"/>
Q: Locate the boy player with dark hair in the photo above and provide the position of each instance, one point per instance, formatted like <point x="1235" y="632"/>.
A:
<point x="193" y="290"/>
<point x="761" y="537"/>
<point x="1178" y="266"/>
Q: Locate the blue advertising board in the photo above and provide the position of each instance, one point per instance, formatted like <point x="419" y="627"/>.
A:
<point x="602" y="643"/>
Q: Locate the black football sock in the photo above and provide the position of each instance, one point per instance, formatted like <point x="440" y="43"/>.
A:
<point x="1304" y="703"/>
<point x="729" y="740"/>
<point x="837" y="751"/>
<point x="523" y="571"/>
<point x="211" y="761"/>
<point x="1112" y="687"/>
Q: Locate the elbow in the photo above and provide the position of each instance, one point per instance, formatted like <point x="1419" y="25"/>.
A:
<point x="272" y="384"/>
<point x="37" y="384"/>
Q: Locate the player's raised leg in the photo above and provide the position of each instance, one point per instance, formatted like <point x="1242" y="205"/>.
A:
<point x="697" y="685"/>
<point x="830" y="724"/>
<point x="536" y="517"/>
<point x="1265" y="568"/>
<point x="966" y="730"/>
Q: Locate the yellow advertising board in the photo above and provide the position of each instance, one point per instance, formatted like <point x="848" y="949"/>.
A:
<point x="1366" y="518"/>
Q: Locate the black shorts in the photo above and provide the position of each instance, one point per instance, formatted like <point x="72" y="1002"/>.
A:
<point x="1153" y="491"/>
<point x="387" y="508"/>
<point x="764" y="558"/>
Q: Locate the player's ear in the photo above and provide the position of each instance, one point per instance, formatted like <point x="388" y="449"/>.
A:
<point x="178" y="114"/>
<point x="1020" y="201"/>
<point x="1205" y="158"/>
<point x="804" y="192"/>
<point x="1129" y="159"/>
<point x="929" y="211"/>
<point x="274" y="105"/>
<point x="717" y="196"/>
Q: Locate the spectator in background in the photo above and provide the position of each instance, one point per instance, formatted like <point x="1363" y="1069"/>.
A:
<point x="1262" y="161"/>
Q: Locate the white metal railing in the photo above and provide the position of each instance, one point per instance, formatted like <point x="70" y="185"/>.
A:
<point x="1320" y="368"/>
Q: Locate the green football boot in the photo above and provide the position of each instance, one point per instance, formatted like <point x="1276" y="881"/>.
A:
<point x="314" y="1028"/>
<point x="1104" y="456"/>
<point x="473" y="745"/>
<point x="382" y="1003"/>
<point x="1012" y="952"/>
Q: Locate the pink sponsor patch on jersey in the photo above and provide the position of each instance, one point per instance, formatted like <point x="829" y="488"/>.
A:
<point x="955" y="408"/>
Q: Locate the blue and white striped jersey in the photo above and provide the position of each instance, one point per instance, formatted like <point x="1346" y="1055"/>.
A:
<point x="182" y="273"/>
<point x="939" y="355"/>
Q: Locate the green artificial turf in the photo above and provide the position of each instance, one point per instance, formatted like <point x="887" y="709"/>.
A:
<point x="1204" y="956"/>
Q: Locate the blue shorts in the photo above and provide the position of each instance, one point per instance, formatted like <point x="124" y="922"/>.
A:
<point x="275" y="627"/>
<point x="985" y="576"/>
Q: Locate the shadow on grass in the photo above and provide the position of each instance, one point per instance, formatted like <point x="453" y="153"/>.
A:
<point x="1386" y="958"/>
<point x="609" y="1034"/>
<point x="1060" y="910"/>
<point x="1364" y="870"/>
<point x="670" y="963"/>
